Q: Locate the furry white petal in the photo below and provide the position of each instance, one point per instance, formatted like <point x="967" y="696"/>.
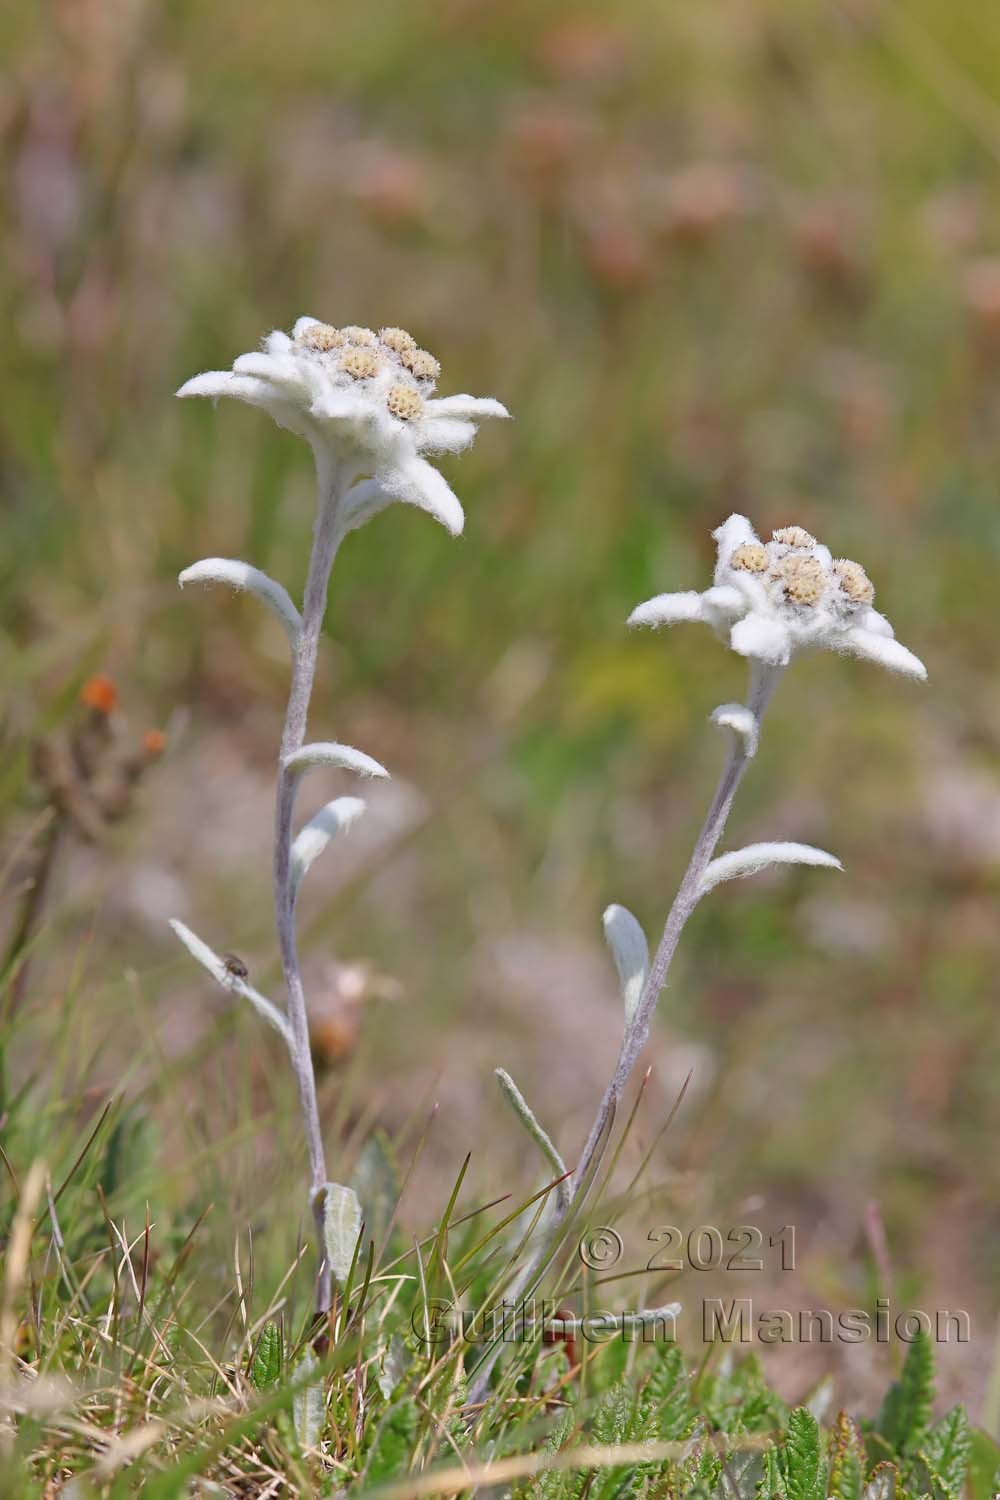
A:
<point x="738" y="718"/>
<point x="876" y="623"/>
<point x="766" y="640"/>
<point x="282" y="372"/>
<point x="216" y="967"/>
<point x="360" y="503"/>
<point x="336" y="817"/>
<point x="883" y="650"/>
<point x="301" y="324"/>
<point x="415" y="482"/>
<point x="630" y="951"/>
<point x="476" y="407"/>
<point x="241" y="576"/>
<point x="723" y="600"/>
<point x="249" y="389"/>
<point x="445" y="435"/>
<point x="755" y="857"/>
<point x="216" y="383"/>
<point x="329" y="753"/>
<point x="667" y="609"/>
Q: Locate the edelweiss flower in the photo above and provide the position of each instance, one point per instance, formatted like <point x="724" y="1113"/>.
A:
<point x="771" y="600"/>
<point x="365" y="401"/>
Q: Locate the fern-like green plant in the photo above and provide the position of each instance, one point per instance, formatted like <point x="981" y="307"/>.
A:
<point x="847" y="1460"/>
<point x="946" y="1453"/>
<point x="803" y="1458"/>
<point x="393" y="1444"/>
<point x="905" y="1418"/>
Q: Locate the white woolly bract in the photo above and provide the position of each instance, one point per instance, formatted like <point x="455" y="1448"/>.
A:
<point x="738" y="718"/>
<point x="313" y="838"/>
<point x="341" y="1227"/>
<point x="216" y="967"/>
<point x="418" y="483"/>
<point x="756" y="857"/>
<point x="328" y="753"/>
<point x="241" y="576"/>
<point x="541" y="1138"/>
<point x="630" y="951"/>
<point x="308" y="1403"/>
<point x="876" y="647"/>
<point x="667" y="609"/>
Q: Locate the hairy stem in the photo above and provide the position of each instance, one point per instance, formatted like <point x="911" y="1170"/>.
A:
<point x="762" y="684"/>
<point x="325" y="538"/>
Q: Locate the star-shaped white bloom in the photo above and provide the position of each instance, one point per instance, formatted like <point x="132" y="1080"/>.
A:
<point x="769" y="601"/>
<point x="366" y="400"/>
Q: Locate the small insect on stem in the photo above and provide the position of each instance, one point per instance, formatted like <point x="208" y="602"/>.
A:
<point x="235" y="966"/>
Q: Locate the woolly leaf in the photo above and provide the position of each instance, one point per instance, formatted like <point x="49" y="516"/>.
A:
<point x="906" y="1411"/>
<point x="341" y="1228"/>
<point x="328" y="753"/>
<point x="542" y="1140"/>
<point x="229" y="981"/>
<point x="313" y="838"/>
<point x="308" y="1403"/>
<point x="265" y="1367"/>
<point x="756" y="857"/>
<point x="395" y="1362"/>
<point x="241" y="576"/>
<point x="742" y="723"/>
<point x="630" y="952"/>
<point x="805" y="1467"/>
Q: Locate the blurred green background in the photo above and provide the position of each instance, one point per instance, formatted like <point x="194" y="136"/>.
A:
<point x="729" y="256"/>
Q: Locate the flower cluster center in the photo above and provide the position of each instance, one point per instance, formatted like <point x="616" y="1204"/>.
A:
<point x="407" y="374"/>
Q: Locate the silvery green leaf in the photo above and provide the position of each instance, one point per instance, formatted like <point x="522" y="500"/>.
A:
<point x="738" y="718"/>
<point x="327" y="753"/>
<point x="882" y="1483"/>
<point x="820" y="1399"/>
<point x="395" y="1363"/>
<point x="630" y="952"/>
<point x="540" y="1137"/>
<point x="341" y="1227"/>
<point x="223" y="976"/>
<point x="317" y="833"/>
<point x="757" y="857"/>
<point x="241" y="576"/>
<point x="308" y="1402"/>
